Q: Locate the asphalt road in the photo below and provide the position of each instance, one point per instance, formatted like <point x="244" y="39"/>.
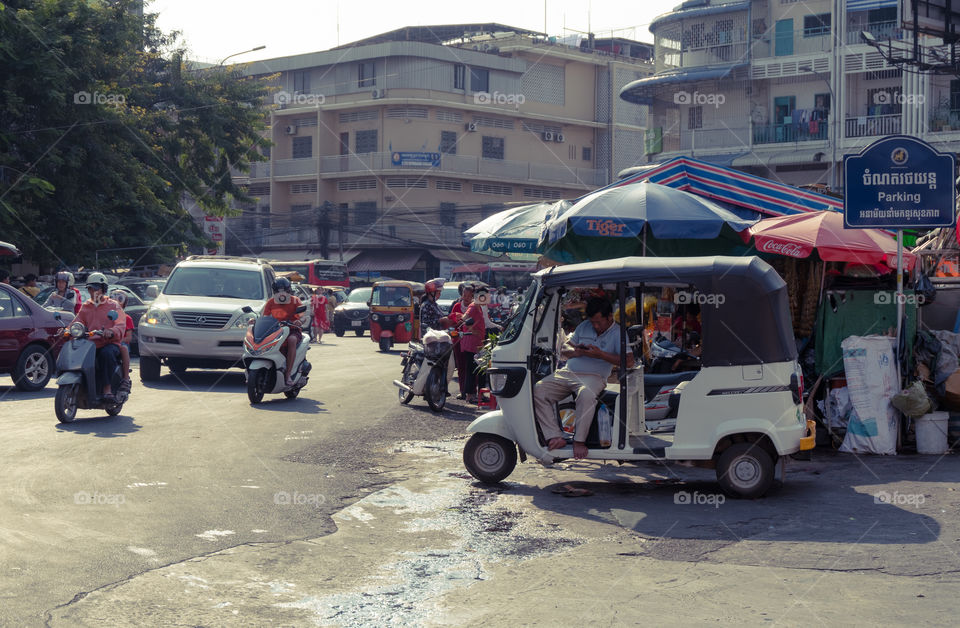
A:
<point x="189" y="468"/>
<point x="344" y="508"/>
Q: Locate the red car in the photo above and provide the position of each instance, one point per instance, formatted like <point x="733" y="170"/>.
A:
<point x="29" y="339"/>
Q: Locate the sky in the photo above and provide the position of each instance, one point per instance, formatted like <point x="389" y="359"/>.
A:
<point x="213" y="29"/>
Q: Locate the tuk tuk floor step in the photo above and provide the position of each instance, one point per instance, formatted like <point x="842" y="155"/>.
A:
<point x="651" y="444"/>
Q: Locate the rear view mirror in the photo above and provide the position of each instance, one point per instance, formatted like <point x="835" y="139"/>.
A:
<point x="301" y="309"/>
<point x="468" y="321"/>
<point x="57" y="316"/>
<point x="152" y="292"/>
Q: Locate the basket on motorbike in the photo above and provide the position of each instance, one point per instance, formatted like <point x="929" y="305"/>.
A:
<point x="435" y="343"/>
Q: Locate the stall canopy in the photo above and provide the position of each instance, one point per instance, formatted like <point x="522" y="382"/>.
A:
<point x="369" y="261"/>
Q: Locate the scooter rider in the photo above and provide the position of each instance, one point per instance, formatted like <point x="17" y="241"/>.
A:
<point x="94" y="314"/>
<point x="283" y="307"/>
<point x="65" y="297"/>
<point x="430" y="312"/>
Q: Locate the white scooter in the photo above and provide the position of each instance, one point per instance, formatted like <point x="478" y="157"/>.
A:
<point x="425" y="367"/>
<point x="266" y="365"/>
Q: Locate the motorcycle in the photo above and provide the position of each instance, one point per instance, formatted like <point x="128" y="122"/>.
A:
<point x="77" y="382"/>
<point x="425" y="367"/>
<point x="265" y="363"/>
<point x="663" y="382"/>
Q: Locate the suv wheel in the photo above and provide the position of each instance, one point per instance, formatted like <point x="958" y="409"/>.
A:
<point x="149" y="369"/>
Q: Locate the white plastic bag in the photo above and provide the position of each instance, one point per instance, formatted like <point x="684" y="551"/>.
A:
<point x="869" y="367"/>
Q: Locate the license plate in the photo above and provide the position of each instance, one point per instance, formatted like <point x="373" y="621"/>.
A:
<point x="356" y="323"/>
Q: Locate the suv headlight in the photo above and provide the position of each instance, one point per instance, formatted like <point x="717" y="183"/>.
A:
<point x="156" y="316"/>
<point x="244" y="320"/>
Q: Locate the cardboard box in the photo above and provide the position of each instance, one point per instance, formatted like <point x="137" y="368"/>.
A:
<point x="951" y="401"/>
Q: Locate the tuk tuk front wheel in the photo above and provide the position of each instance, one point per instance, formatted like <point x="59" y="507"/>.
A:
<point x="745" y="470"/>
<point x="385" y="344"/>
<point x="489" y="458"/>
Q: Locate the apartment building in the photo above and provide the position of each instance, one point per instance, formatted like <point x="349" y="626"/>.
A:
<point x="403" y="140"/>
<point x="784" y="89"/>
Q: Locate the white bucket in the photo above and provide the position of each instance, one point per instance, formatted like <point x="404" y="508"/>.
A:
<point x="932" y="432"/>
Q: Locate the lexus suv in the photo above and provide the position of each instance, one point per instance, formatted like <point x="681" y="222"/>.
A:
<point x="197" y="320"/>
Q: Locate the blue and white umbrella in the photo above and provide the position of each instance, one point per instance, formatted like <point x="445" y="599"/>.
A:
<point x="514" y="231"/>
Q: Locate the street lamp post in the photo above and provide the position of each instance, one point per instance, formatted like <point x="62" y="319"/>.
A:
<point x="832" y="127"/>
<point x="243" y="52"/>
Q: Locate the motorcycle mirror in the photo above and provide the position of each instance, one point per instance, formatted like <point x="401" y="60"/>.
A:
<point x="246" y="309"/>
<point x="301" y="309"/>
<point x="468" y="321"/>
<point x="112" y="315"/>
<point x="57" y="316"/>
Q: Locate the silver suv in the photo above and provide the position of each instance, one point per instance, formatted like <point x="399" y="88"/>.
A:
<point x="197" y="321"/>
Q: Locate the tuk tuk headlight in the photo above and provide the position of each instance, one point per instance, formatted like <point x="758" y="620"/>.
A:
<point x="401" y="318"/>
<point x="77" y="330"/>
<point x="156" y="316"/>
<point x="506" y="381"/>
<point x="497" y="382"/>
<point x="374" y="317"/>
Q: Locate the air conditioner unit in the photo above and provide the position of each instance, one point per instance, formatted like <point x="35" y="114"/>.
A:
<point x="558" y="137"/>
<point x="470" y="126"/>
<point x="547" y="136"/>
<point x="378" y="93"/>
<point x="291" y="129"/>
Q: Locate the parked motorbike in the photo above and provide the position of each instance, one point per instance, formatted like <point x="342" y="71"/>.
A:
<point x="77" y="382"/>
<point x="266" y="364"/>
<point x="425" y="367"/>
<point x="663" y="382"/>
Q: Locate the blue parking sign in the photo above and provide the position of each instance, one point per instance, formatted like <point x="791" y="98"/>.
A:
<point x="899" y="182"/>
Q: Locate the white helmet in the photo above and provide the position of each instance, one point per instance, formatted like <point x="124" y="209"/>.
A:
<point x="65" y="276"/>
<point x="98" y="278"/>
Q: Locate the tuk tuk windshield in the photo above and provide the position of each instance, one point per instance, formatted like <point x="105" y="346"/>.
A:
<point x="391" y="296"/>
<point x="513" y="326"/>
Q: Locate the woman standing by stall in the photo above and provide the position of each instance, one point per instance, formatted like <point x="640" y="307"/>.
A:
<point x="456" y="315"/>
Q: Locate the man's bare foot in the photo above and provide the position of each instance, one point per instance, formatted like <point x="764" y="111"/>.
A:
<point x="556" y="443"/>
<point x="579" y="450"/>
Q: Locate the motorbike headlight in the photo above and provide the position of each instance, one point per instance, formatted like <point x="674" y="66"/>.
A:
<point x="77" y="330"/>
<point x="156" y="316"/>
<point x="244" y="320"/>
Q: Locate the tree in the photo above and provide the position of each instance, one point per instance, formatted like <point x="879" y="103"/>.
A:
<point x="105" y="132"/>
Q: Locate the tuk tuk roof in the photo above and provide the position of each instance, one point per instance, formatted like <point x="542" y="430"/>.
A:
<point x="743" y="301"/>
<point x="398" y="283"/>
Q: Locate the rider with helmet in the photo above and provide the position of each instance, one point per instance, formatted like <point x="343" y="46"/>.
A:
<point x="430" y="312"/>
<point x="65" y="297"/>
<point x="95" y="315"/>
<point x="283" y="307"/>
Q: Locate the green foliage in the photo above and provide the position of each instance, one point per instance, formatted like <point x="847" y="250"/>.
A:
<point x="105" y="132"/>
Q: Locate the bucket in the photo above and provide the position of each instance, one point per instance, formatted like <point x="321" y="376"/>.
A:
<point x="932" y="433"/>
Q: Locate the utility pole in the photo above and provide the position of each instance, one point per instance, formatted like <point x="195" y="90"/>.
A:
<point x="323" y="228"/>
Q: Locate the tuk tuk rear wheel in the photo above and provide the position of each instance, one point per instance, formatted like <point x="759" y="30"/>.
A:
<point x="745" y="470"/>
<point x="489" y="458"/>
<point x="66" y="402"/>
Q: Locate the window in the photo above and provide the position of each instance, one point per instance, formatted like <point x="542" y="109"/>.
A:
<point x="816" y="25"/>
<point x="449" y="186"/>
<point x="954" y="96"/>
<point x="459" y="76"/>
<point x="302" y="147"/>
<point x="365" y="213"/>
<point x="448" y="142"/>
<point x="479" y="80"/>
<point x="587" y="153"/>
<point x="301" y="82"/>
<point x="448" y="214"/>
<point x="695" y="118"/>
<point x="492" y="147"/>
<point x="884" y="101"/>
<point x="303" y="188"/>
<point x="344" y="143"/>
<point x="365" y="141"/>
<point x="10" y="306"/>
<point x="366" y="76"/>
<point x="821" y="103"/>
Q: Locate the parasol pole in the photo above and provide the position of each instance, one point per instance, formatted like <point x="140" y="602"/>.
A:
<point x="900" y="300"/>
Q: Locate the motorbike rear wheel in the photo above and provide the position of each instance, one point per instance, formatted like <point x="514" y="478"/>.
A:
<point x="114" y="410"/>
<point x="65" y="403"/>
<point x="435" y="390"/>
<point x="292" y="393"/>
<point x="256" y="385"/>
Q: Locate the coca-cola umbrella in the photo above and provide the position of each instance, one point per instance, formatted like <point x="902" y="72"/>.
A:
<point x="641" y="219"/>
<point x="8" y="250"/>
<point x="799" y="235"/>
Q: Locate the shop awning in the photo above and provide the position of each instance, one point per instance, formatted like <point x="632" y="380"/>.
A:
<point x="778" y="159"/>
<point x="384" y="260"/>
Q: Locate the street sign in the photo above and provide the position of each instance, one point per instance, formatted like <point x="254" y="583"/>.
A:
<point x="417" y="159"/>
<point x="899" y="182"/>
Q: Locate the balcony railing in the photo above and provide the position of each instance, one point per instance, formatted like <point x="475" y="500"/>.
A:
<point x="294" y="167"/>
<point x="865" y="126"/>
<point x="471" y="165"/>
<point x="258" y="170"/>
<point x="797" y="42"/>
<point x="880" y="30"/>
<point x="694" y="140"/>
<point x="790" y="132"/>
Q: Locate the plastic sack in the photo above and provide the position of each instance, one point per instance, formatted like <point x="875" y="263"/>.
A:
<point x="871" y="374"/>
<point x="838" y="407"/>
<point x="923" y="288"/>
<point x="436" y="335"/>
<point x="913" y="400"/>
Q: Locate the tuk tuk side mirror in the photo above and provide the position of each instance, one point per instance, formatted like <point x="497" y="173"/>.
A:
<point x="152" y="292"/>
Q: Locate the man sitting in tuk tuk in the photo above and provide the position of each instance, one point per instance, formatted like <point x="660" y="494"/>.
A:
<point x="591" y="353"/>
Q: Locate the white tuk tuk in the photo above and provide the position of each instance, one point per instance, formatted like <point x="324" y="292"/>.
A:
<point x="740" y="414"/>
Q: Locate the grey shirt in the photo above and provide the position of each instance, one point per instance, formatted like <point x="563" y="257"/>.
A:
<point x="608" y="341"/>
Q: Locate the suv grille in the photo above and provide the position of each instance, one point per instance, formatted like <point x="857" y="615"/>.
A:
<point x="201" y="320"/>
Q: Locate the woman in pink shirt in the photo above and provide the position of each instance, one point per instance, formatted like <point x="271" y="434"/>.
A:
<point x="472" y="340"/>
<point x="456" y="315"/>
